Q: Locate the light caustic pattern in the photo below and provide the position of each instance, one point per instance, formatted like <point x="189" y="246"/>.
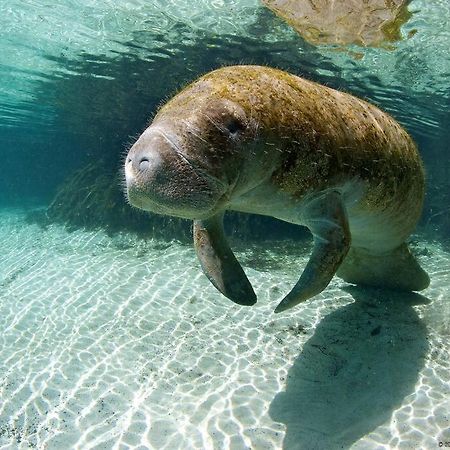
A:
<point x="119" y="343"/>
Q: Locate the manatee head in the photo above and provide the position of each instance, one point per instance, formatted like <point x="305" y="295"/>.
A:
<point x="187" y="162"/>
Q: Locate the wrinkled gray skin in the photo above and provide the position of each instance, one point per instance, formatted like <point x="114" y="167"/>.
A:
<point x="261" y="141"/>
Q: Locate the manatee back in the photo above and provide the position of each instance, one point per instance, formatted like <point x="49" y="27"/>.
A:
<point x="328" y="138"/>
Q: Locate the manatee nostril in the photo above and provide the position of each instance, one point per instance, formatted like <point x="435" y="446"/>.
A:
<point x="144" y="164"/>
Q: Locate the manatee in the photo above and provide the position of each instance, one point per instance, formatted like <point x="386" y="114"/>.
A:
<point x="260" y="140"/>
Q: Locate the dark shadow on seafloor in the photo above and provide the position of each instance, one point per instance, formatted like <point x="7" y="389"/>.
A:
<point x="359" y="365"/>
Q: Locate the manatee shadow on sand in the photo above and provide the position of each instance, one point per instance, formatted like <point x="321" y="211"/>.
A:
<point x="359" y="365"/>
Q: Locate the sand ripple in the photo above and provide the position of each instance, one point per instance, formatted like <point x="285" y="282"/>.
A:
<point x="115" y="343"/>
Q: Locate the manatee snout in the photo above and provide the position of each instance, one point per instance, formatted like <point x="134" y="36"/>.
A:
<point x="144" y="160"/>
<point x="161" y="179"/>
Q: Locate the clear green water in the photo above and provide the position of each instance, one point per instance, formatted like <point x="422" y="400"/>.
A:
<point x="119" y="342"/>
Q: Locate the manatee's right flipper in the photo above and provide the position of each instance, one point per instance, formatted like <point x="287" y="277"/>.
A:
<point x="326" y="217"/>
<point x="219" y="263"/>
<point x="397" y="269"/>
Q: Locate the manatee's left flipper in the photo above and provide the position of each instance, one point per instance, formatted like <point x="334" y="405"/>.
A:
<point x="219" y="263"/>
<point x="326" y="217"/>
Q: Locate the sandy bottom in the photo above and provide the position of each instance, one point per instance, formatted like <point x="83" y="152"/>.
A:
<point x="115" y="343"/>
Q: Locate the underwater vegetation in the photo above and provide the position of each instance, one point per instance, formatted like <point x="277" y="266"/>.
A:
<point x="92" y="198"/>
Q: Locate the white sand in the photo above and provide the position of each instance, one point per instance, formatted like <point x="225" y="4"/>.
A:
<point x="115" y="343"/>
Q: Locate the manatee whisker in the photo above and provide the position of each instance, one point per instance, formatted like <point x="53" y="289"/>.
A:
<point x="173" y="142"/>
<point x="193" y="130"/>
<point x="213" y="122"/>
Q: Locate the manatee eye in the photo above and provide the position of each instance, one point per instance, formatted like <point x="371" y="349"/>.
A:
<point x="234" y="126"/>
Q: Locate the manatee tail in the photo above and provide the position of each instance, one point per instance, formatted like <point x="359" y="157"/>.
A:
<point x="397" y="269"/>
